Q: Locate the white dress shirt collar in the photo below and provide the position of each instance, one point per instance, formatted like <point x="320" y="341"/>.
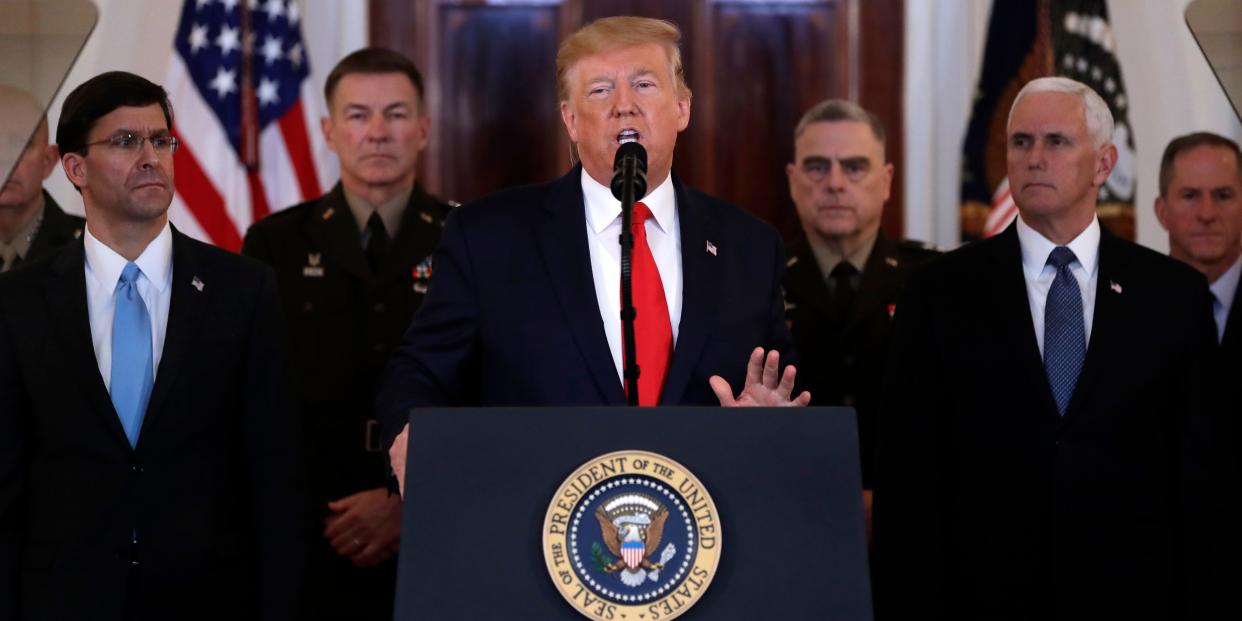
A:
<point x="155" y="261"/>
<point x="1039" y="274"/>
<point x="1036" y="247"/>
<point x="602" y="208"/>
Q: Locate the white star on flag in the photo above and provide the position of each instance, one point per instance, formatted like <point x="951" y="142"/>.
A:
<point x="198" y="38"/>
<point x="293" y="14"/>
<point x="229" y="40"/>
<point x="274" y="9"/>
<point x="225" y="82"/>
<point x="271" y="49"/>
<point x="267" y="92"/>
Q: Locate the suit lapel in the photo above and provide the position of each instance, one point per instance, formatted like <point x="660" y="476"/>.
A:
<point x="879" y="276"/>
<point x="1011" y="307"/>
<point x="185" y="314"/>
<point x="562" y="243"/>
<point x="416" y="239"/>
<point x="805" y="282"/>
<point x="66" y="295"/>
<point x="700" y="271"/>
<point x="1232" y="340"/>
<point x="334" y="231"/>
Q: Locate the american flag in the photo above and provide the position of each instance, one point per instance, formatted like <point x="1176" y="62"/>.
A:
<point x="238" y="82"/>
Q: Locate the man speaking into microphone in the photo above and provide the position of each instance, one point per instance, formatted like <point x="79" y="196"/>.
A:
<point x="524" y="307"/>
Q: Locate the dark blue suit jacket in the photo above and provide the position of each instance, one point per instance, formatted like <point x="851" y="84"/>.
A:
<point x="214" y="487"/>
<point x="511" y="316"/>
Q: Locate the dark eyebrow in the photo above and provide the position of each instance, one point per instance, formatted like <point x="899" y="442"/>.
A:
<point x="815" y="159"/>
<point x="856" y="160"/>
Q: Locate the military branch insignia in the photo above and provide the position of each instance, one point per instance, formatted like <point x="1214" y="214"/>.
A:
<point x="632" y="535"/>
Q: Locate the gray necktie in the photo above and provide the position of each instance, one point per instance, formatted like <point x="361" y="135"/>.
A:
<point x="1065" y="341"/>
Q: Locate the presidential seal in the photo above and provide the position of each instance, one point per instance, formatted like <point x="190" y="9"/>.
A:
<point x="632" y="535"/>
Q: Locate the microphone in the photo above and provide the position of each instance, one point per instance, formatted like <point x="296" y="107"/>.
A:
<point x="629" y="171"/>
<point x="629" y="183"/>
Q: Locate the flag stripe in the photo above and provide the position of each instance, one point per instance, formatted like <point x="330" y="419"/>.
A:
<point x="202" y="199"/>
<point x="293" y="128"/>
<point x="258" y="197"/>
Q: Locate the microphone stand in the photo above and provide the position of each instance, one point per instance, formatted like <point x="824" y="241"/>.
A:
<point x="628" y="313"/>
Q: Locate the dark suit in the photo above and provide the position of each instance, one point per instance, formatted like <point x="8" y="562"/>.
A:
<point x="841" y="359"/>
<point x="213" y="488"/>
<point x="1230" y="369"/>
<point x="57" y="229"/>
<point x="343" y="321"/>
<point x="1231" y="342"/>
<point x="512" y="316"/>
<point x="991" y="505"/>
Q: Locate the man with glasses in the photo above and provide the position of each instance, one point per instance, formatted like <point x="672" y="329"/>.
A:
<point x="32" y="225"/>
<point x="844" y="275"/>
<point x="148" y="459"/>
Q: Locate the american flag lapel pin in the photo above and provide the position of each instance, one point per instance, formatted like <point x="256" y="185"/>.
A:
<point x="1112" y="284"/>
<point x="711" y="248"/>
<point x="197" y="283"/>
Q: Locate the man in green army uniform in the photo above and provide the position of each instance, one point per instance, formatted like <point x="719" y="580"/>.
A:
<point x="844" y="276"/>
<point x="352" y="267"/>
<point x="32" y="225"/>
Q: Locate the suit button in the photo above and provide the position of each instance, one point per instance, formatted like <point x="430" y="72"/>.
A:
<point x="847" y="400"/>
<point x="308" y="307"/>
<point x="380" y="348"/>
<point x="135" y="468"/>
<point x="379" y="308"/>
<point x="848" y="361"/>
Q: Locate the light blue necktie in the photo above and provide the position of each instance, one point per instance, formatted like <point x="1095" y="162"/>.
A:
<point x="1065" y="340"/>
<point x="132" y="373"/>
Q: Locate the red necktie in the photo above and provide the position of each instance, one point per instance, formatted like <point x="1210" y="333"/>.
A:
<point x="653" y="333"/>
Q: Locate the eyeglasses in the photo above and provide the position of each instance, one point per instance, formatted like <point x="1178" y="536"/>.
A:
<point x="162" y="143"/>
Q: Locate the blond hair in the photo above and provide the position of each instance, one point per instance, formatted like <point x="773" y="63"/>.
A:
<point x="613" y="33"/>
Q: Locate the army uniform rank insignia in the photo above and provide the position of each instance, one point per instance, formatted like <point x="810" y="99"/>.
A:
<point x="313" y="269"/>
<point x="632" y="535"/>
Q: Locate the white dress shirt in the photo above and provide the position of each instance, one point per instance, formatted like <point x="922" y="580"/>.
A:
<point x="103" y="272"/>
<point x="603" y="223"/>
<point x="1223" y="290"/>
<point x="1039" y="273"/>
